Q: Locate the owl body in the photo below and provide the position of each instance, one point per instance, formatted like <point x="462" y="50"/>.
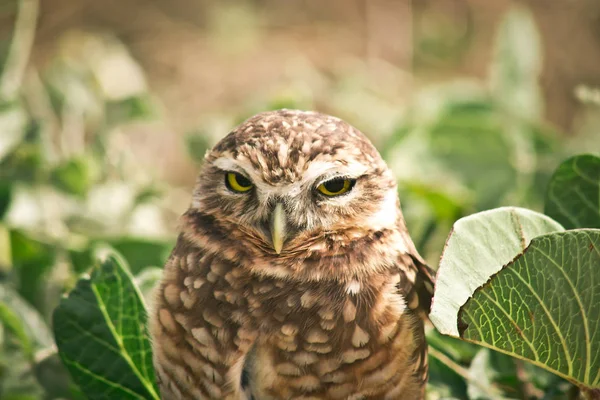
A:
<point x="296" y="279"/>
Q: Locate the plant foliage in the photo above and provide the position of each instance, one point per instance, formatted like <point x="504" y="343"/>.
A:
<point x="100" y="331"/>
<point x="517" y="289"/>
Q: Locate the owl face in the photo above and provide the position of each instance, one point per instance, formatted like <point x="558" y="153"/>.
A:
<point x="286" y="177"/>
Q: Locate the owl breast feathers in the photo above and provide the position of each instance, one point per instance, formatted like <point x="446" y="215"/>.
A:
<point x="294" y="276"/>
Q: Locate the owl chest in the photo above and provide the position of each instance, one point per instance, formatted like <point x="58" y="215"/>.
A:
<point x="327" y="343"/>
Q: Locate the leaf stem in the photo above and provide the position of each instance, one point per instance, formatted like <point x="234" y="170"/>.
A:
<point x="462" y="371"/>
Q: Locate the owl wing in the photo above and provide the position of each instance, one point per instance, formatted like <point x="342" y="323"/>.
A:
<point x="416" y="285"/>
<point x="417" y="279"/>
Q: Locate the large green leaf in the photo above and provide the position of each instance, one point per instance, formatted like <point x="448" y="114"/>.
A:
<point x="573" y="196"/>
<point x="101" y="336"/>
<point x="544" y="307"/>
<point x="478" y="247"/>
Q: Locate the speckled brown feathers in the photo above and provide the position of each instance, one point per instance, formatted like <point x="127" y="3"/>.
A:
<point x="335" y="314"/>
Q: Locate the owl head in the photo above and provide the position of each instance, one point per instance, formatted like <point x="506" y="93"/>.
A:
<point x="287" y="178"/>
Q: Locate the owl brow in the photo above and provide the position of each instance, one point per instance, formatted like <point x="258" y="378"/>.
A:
<point x="331" y="176"/>
<point x="323" y="171"/>
<point x="229" y="165"/>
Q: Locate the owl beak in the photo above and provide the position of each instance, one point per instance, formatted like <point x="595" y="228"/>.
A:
<point x="278" y="227"/>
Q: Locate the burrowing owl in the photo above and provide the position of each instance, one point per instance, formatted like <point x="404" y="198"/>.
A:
<point x="294" y="276"/>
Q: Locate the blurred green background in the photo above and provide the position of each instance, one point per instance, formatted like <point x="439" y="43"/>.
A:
<point x="107" y="108"/>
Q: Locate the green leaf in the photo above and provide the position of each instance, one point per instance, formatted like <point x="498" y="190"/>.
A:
<point x="32" y="260"/>
<point x="25" y="163"/>
<point x="25" y="335"/>
<point x="573" y="196"/>
<point x="74" y="176"/>
<point x="13" y="324"/>
<point x="17" y="380"/>
<point x="478" y="247"/>
<point x="101" y="336"/>
<point x="469" y="141"/>
<point x="5" y="197"/>
<point x="544" y="307"/>
<point x="444" y="383"/>
<point x="443" y="205"/>
<point x="54" y="377"/>
<point x="130" y="109"/>
<point x="24" y="322"/>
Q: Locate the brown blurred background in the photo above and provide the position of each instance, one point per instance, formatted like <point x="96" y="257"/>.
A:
<point x="203" y="58"/>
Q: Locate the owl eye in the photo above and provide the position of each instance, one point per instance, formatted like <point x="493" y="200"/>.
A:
<point x="336" y="186"/>
<point x="237" y="183"/>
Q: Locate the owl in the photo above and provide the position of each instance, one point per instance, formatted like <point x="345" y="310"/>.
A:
<point x="293" y="276"/>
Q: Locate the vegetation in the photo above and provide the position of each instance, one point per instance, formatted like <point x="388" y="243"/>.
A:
<point x="518" y="290"/>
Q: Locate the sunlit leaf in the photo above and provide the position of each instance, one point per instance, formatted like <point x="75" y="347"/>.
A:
<point x="573" y="196"/>
<point x="478" y="247"/>
<point x="100" y="331"/>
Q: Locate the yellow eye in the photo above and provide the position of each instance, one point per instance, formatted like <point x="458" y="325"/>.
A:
<point x="336" y="187"/>
<point x="237" y="182"/>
